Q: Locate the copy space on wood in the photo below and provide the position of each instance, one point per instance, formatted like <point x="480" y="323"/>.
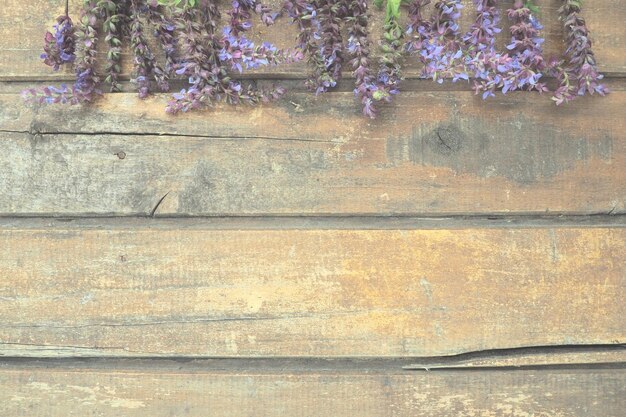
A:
<point x="170" y="290"/>
<point x="78" y="391"/>
<point x="428" y="154"/>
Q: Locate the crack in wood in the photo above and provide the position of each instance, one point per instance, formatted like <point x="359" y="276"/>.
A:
<point x="33" y="132"/>
<point x="154" y="210"/>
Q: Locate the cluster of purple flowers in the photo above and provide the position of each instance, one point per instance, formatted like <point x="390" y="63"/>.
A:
<point x="207" y="56"/>
<point x="194" y="47"/>
<point x="522" y="67"/>
<point x="59" y="47"/>
<point x="321" y="41"/>
<point x="438" y="43"/>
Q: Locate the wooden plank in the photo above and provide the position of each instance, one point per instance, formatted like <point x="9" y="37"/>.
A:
<point x="159" y="289"/>
<point x="22" y="26"/>
<point x="79" y="391"/>
<point x="431" y="153"/>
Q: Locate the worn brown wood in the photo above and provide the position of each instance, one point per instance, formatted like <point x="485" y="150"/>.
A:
<point x="456" y="297"/>
<point x="22" y="25"/>
<point x="79" y="391"/>
<point x="160" y="289"/>
<point x="432" y="153"/>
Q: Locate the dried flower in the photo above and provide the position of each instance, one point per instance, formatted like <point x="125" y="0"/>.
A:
<point x="86" y="86"/>
<point x="145" y="65"/>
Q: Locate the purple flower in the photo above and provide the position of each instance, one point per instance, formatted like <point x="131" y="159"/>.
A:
<point x="359" y="49"/>
<point x="303" y="14"/>
<point x="522" y="67"/>
<point x="59" y="48"/>
<point x="437" y="42"/>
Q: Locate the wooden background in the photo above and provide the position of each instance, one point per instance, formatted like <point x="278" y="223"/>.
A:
<point x="453" y="258"/>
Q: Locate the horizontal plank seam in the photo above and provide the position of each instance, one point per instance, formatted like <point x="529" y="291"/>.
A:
<point x="276" y="76"/>
<point x="483" y="354"/>
<point x="154" y="369"/>
<point x="453" y="362"/>
<point x="611" y="219"/>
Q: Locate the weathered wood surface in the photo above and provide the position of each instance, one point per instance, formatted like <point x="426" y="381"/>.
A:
<point x="432" y="153"/>
<point x="162" y="289"/>
<point x="454" y="296"/>
<point x="79" y="391"/>
<point x="22" y="25"/>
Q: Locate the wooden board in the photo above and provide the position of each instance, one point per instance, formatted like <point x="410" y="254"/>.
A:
<point x="158" y="288"/>
<point x="79" y="391"/>
<point x="410" y="266"/>
<point x="22" y="25"/>
<point x="433" y="153"/>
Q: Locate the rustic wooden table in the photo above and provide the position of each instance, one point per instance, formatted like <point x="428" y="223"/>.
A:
<point x="453" y="258"/>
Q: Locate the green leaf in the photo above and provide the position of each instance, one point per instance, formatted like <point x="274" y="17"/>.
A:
<point x="531" y="6"/>
<point x="393" y="9"/>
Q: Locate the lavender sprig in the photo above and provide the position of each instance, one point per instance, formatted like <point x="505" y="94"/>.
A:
<point x="390" y="68"/>
<point x="330" y="15"/>
<point x="164" y="31"/>
<point x="241" y="14"/>
<point x="418" y="27"/>
<point x="578" y="72"/>
<point x="240" y="53"/>
<point x="59" y="48"/>
<point x="359" y="48"/>
<point x="111" y="27"/>
<point x="144" y="65"/>
<point x="305" y="16"/>
<point x="87" y="80"/>
<point x="481" y="38"/>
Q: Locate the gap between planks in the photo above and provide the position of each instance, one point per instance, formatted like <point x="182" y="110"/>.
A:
<point x="305" y="222"/>
<point x="294" y="83"/>
<point x="535" y="357"/>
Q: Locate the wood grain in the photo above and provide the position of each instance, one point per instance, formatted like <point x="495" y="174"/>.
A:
<point x="160" y="289"/>
<point x="431" y="154"/>
<point x="78" y="391"/>
<point x="22" y="26"/>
